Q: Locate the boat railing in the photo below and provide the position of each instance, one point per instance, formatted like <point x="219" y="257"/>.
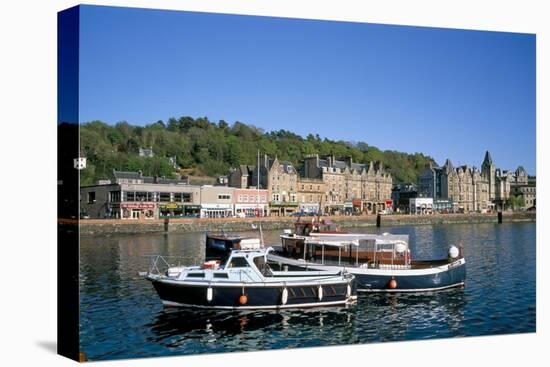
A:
<point x="160" y="263"/>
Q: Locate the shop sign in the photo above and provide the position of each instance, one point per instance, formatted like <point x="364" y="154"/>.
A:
<point x="348" y="204"/>
<point x="170" y="206"/>
<point x="356" y="202"/>
<point x="217" y="206"/>
<point x="389" y="202"/>
<point x="192" y="206"/>
<point x="137" y="206"/>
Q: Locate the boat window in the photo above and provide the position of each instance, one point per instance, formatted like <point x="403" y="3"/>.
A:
<point x="221" y="275"/>
<point x="195" y="275"/>
<point x="238" y="262"/>
<point x="259" y="261"/>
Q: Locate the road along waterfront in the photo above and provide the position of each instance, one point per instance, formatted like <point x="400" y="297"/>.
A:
<point x="184" y="225"/>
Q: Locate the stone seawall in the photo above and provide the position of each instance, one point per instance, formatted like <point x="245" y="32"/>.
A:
<point x="109" y="226"/>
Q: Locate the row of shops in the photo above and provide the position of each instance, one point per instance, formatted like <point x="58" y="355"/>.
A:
<point x="151" y="210"/>
<point x="159" y="201"/>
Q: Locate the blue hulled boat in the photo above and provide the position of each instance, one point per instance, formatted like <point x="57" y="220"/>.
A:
<point x="244" y="280"/>
<point x="380" y="263"/>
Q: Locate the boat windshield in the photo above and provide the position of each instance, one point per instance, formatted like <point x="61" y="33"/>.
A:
<point x="238" y="262"/>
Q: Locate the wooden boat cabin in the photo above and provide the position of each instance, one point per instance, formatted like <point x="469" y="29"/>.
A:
<point x="354" y="250"/>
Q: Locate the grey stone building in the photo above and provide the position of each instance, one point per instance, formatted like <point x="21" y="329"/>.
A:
<point x="469" y="189"/>
<point x="280" y="178"/>
<point x="525" y="187"/>
<point x="241" y="177"/>
<point x="463" y="187"/>
<point x="499" y="182"/>
<point x="363" y="187"/>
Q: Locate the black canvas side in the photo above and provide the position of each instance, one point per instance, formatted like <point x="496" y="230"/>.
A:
<point x="68" y="184"/>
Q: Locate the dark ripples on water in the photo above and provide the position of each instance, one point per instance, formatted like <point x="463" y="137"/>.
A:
<point x="122" y="317"/>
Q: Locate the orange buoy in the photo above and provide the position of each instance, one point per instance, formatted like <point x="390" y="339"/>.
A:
<point x="392" y="284"/>
<point x="243" y="299"/>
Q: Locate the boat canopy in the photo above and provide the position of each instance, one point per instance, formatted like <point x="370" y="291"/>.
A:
<point x="357" y="239"/>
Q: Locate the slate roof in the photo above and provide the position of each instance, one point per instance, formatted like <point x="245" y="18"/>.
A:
<point x="127" y="175"/>
<point x="488" y="159"/>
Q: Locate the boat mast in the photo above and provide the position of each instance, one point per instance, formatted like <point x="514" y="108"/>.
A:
<point x="258" y="200"/>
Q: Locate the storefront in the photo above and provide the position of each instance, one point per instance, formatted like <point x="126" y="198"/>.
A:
<point x="216" y="211"/>
<point x="190" y="210"/>
<point x="334" y="209"/>
<point x="389" y="206"/>
<point x="137" y="210"/>
<point x="178" y="210"/>
<point x="309" y="208"/>
<point x="282" y="210"/>
<point x="348" y="207"/>
<point x="357" y="206"/>
<point x="250" y="210"/>
<point x="443" y="205"/>
<point x="171" y="210"/>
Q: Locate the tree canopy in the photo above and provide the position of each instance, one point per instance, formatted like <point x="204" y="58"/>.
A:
<point x="206" y="148"/>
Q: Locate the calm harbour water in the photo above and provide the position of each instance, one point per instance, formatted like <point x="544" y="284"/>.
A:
<point x="122" y="317"/>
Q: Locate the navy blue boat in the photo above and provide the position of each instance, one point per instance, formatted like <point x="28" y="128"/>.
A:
<point x="380" y="263"/>
<point x="246" y="281"/>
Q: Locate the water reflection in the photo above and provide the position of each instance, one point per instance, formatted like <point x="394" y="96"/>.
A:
<point x="121" y="315"/>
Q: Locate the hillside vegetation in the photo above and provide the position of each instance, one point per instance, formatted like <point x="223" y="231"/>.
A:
<point x="206" y="148"/>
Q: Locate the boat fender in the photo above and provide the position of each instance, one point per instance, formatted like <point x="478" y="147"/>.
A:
<point x="243" y="299"/>
<point x="348" y="291"/>
<point x="453" y="252"/>
<point x="284" y="296"/>
<point x="392" y="284"/>
<point x="209" y="294"/>
<point x="320" y="293"/>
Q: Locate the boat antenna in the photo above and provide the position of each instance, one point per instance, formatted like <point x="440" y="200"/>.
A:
<point x="258" y="200"/>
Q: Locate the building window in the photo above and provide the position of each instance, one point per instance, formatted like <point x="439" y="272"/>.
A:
<point x="114" y="196"/>
<point x="91" y="197"/>
<point x="131" y="196"/>
<point x="165" y="196"/>
<point x="183" y="197"/>
<point x="245" y="198"/>
<point x="141" y="196"/>
<point x="224" y="197"/>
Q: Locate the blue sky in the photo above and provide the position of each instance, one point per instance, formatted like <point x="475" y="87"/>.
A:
<point x="446" y="93"/>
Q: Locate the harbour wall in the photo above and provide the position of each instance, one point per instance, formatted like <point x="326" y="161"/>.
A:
<point x="111" y="226"/>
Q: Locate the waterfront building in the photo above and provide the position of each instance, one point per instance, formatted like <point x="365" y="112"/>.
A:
<point x="130" y="195"/>
<point x="525" y="187"/>
<point x="241" y="176"/>
<point x="401" y="195"/>
<point x="421" y="205"/>
<point x="216" y="201"/>
<point x="467" y="188"/>
<point x="364" y="187"/>
<point x="442" y="205"/>
<point x="280" y="178"/>
<point x="250" y="202"/>
<point x="311" y="194"/>
<point x="499" y="182"/>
